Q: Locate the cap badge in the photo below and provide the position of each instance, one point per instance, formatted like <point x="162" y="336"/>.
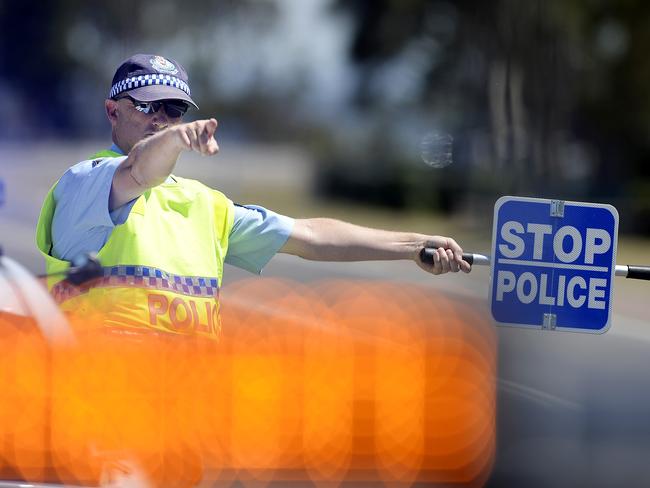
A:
<point x="163" y="65"/>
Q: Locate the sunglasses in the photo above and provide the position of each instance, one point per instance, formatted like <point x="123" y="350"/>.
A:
<point x="173" y="108"/>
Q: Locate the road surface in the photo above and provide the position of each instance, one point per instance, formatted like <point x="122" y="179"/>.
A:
<point x="573" y="409"/>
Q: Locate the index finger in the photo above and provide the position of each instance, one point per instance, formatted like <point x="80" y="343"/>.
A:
<point x="456" y="249"/>
<point x="210" y="126"/>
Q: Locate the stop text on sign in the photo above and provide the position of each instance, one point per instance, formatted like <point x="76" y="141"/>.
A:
<point x="597" y="241"/>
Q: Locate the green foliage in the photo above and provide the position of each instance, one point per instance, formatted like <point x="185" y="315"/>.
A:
<point x="559" y="89"/>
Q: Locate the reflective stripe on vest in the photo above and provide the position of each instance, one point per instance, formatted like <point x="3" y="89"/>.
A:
<point x="140" y="277"/>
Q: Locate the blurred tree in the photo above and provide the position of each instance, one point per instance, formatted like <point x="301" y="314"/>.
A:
<point x="557" y="89"/>
<point x="31" y="61"/>
<point x="58" y="56"/>
<point x="543" y="97"/>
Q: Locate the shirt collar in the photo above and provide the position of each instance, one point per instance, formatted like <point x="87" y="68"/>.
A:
<point x="116" y="149"/>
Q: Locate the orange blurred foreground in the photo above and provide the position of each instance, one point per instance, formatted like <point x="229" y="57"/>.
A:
<point x="355" y="381"/>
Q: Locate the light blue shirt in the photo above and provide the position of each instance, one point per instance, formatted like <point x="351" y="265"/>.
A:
<point x="82" y="222"/>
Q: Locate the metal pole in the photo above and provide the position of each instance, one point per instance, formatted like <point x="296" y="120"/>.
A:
<point x="626" y="270"/>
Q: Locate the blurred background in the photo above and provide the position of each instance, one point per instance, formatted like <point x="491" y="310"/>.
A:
<point x="329" y="107"/>
<point x="546" y="98"/>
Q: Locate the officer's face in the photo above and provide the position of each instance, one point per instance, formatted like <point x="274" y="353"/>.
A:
<point x="131" y="125"/>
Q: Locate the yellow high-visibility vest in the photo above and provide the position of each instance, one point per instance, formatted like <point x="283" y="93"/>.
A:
<point x="162" y="268"/>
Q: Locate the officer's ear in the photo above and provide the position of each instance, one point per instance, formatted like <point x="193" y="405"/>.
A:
<point x="111" y="110"/>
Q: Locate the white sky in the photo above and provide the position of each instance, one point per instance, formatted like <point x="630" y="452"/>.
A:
<point x="305" y="51"/>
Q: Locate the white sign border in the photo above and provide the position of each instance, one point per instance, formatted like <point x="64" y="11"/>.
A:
<point x="505" y="199"/>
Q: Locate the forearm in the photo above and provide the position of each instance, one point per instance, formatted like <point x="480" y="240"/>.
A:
<point x="148" y="164"/>
<point x="322" y="239"/>
<point x="152" y="160"/>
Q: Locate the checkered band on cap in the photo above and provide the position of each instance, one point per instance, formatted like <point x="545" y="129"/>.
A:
<point x="148" y="80"/>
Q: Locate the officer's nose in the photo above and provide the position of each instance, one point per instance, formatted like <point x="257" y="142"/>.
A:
<point x="160" y="118"/>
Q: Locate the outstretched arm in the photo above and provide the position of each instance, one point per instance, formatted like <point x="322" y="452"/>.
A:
<point x="152" y="159"/>
<point x="322" y="239"/>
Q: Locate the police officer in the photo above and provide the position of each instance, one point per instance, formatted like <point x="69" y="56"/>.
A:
<point x="163" y="239"/>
